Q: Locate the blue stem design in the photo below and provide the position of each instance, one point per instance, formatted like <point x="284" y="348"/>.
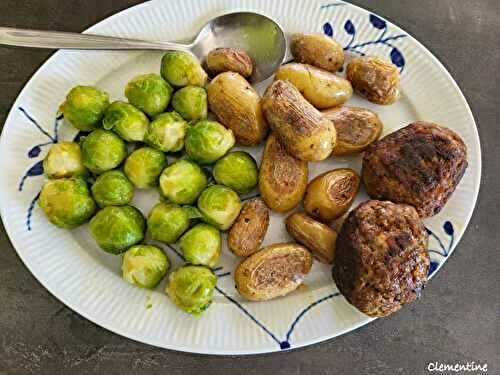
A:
<point x="34" y="122"/>
<point x="30" y="210"/>
<point x="441" y="245"/>
<point x="331" y="5"/>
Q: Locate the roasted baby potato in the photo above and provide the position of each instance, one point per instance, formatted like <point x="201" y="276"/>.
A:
<point x="301" y="128"/>
<point x="374" y="78"/>
<point x="321" y="88"/>
<point x="282" y="177"/>
<point x="316" y="236"/>
<point x="272" y="272"/>
<point x="237" y="105"/>
<point x="318" y="50"/>
<point x="249" y="229"/>
<point x="356" y="129"/>
<point x="329" y="195"/>
<point x="222" y="60"/>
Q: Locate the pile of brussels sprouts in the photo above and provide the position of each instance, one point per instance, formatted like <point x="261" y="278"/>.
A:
<point x="94" y="180"/>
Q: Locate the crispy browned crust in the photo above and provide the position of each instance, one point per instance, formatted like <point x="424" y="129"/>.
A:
<point x="420" y="164"/>
<point x="356" y="128"/>
<point x="317" y="237"/>
<point x="381" y="259"/>
<point x="374" y="78"/>
<point x="282" y="177"/>
<point x="249" y="229"/>
<point x="318" y="50"/>
<point x="274" y="271"/>
<point x="229" y="60"/>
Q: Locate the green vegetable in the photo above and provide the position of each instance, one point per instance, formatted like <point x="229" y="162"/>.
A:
<point x="126" y="121"/>
<point x="144" y="166"/>
<point x="219" y="206"/>
<point x="116" y="228"/>
<point x="112" y="188"/>
<point x="102" y="151"/>
<point x="63" y="160"/>
<point x="167" y="131"/>
<point x="67" y="202"/>
<point x="167" y="222"/>
<point x="149" y="92"/>
<point x="182" y="182"/>
<point x="191" y="103"/>
<point x="182" y="69"/>
<point x="201" y="245"/>
<point x="144" y="266"/>
<point x="208" y="141"/>
<point x="191" y="288"/>
<point x="84" y="107"/>
<point x="237" y="170"/>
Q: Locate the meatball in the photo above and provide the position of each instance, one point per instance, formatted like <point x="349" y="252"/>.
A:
<point x="381" y="259"/>
<point x="420" y="164"/>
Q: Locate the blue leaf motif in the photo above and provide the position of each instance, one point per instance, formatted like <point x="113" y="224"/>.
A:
<point x="34" y="152"/>
<point x="397" y="58"/>
<point x="328" y="29"/>
<point x="448" y="228"/>
<point x="79" y="135"/>
<point x="433" y="267"/>
<point x="349" y="27"/>
<point x="36" y="169"/>
<point x="377" y="22"/>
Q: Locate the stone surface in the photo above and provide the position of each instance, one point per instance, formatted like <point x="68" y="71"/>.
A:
<point x="456" y="319"/>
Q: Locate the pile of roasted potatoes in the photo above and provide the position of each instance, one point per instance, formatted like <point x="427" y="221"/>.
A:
<point x="301" y="118"/>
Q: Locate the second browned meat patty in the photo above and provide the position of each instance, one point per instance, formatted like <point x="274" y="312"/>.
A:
<point x="381" y="257"/>
<point x="420" y="164"/>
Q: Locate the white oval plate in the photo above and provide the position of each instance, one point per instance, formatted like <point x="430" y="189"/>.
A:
<point x="76" y="271"/>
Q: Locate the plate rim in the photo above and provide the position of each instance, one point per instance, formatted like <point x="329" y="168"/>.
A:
<point x="206" y="351"/>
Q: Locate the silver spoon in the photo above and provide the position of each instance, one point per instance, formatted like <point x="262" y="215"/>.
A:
<point x="261" y="37"/>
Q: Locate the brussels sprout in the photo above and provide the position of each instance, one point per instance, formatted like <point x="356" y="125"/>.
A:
<point x="116" y="228"/>
<point x="219" y="206"/>
<point x="208" y="141"/>
<point x="67" y="202"/>
<point x="182" y="69"/>
<point x="144" y="166"/>
<point x="112" y="188"/>
<point x="102" y="151"/>
<point x="191" y="288"/>
<point x="144" y="266"/>
<point x="191" y="103"/>
<point x="237" y="170"/>
<point x="126" y="121"/>
<point x="64" y="159"/>
<point x="149" y="92"/>
<point x="201" y="245"/>
<point x="182" y="182"/>
<point x="167" y="222"/>
<point x="84" y="107"/>
<point x="166" y="132"/>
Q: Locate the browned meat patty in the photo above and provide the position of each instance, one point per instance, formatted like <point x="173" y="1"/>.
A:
<point x="420" y="164"/>
<point x="381" y="259"/>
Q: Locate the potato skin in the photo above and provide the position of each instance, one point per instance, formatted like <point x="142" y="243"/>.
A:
<point x="318" y="50"/>
<point x="222" y="60"/>
<point x="356" y="128"/>
<point x="282" y="178"/>
<point x="272" y="272"/>
<point x="321" y="88"/>
<point x="301" y="128"/>
<point x="249" y="229"/>
<point x="329" y="195"/>
<point x="374" y="78"/>
<point x="317" y="237"/>
<point x="237" y="106"/>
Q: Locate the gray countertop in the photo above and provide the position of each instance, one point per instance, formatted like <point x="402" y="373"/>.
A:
<point x="455" y="320"/>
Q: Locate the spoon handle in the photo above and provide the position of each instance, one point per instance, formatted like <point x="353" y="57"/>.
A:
<point x="58" y="39"/>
